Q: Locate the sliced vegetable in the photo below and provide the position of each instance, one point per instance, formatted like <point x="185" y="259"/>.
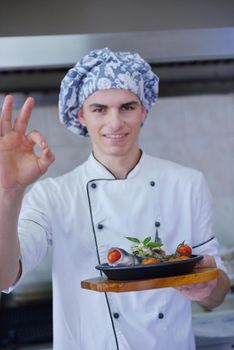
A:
<point x="177" y="258"/>
<point x="147" y="261"/>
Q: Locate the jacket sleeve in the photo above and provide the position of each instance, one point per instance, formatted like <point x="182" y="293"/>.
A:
<point x="34" y="229"/>
<point x="204" y="240"/>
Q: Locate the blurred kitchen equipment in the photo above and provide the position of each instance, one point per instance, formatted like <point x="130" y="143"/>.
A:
<point x="26" y="313"/>
<point x="214" y="330"/>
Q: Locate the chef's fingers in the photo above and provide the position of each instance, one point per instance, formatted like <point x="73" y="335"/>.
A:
<point x="207" y="261"/>
<point x="21" y="122"/>
<point x="197" y="291"/>
<point x="36" y="138"/>
<point x="46" y="158"/>
<point x="198" y="286"/>
<point x="6" y="115"/>
<point x="192" y="286"/>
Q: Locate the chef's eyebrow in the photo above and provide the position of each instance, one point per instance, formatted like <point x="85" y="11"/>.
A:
<point x="97" y="105"/>
<point x="131" y="103"/>
<point x="127" y="104"/>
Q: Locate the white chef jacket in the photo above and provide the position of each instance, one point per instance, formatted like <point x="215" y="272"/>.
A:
<point x="87" y="211"/>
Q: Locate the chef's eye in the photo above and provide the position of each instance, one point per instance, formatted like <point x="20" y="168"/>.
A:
<point x="99" y="110"/>
<point x="128" y="107"/>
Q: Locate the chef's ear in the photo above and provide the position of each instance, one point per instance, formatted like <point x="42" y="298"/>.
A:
<point x="80" y="116"/>
<point x="144" y="113"/>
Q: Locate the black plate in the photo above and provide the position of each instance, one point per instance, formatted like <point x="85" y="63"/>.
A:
<point x="136" y="272"/>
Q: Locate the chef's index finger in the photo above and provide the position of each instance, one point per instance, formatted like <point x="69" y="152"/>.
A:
<point x="5" y="125"/>
<point x="21" y="122"/>
<point x="7" y="104"/>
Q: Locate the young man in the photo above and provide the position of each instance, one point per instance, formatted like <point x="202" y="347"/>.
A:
<point x="119" y="191"/>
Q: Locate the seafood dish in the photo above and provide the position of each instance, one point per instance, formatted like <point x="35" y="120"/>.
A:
<point x="146" y="252"/>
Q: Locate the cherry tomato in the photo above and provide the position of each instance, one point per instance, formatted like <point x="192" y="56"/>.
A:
<point x="113" y="256"/>
<point x="184" y="249"/>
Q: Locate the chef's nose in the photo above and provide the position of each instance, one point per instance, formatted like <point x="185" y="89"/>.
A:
<point x="115" y="119"/>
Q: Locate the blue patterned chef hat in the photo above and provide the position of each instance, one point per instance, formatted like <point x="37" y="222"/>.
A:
<point x="103" y="69"/>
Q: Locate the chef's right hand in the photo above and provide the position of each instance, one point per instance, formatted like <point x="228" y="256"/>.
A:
<point x="20" y="166"/>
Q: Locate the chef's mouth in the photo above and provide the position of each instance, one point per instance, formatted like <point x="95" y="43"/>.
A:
<point x="116" y="137"/>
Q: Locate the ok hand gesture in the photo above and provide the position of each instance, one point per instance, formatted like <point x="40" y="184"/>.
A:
<point x="20" y="166"/>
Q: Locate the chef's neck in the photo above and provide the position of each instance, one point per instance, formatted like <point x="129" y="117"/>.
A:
<point x="119" y="166"/>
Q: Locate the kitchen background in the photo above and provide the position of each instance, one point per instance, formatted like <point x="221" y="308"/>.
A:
<point x="192" y="122"/>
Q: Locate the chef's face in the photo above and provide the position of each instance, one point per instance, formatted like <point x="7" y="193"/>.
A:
<point x="113" y="119"/>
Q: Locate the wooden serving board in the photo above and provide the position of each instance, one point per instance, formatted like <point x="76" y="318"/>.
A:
<point x="102" y="284"/>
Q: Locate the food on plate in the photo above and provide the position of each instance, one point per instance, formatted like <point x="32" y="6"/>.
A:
<point x="147" y="248"/>
<point x="184" y="249"/>
<point x="174" y="257"/>
<point x="119" y="256"/>
<point x="146" y="261"/>
<point x="146" y="252"/>
<point x="113" y="255"/>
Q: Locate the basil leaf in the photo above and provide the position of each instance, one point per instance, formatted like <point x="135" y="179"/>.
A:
<point x="146" y="240"/>
<point x="132" y="239"/>
<point x="154" y="245"/>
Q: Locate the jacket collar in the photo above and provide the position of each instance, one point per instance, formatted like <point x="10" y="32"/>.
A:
<point x="96" y="170"/>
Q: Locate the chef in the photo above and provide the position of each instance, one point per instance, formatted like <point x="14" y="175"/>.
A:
<point x="119" y="191"/>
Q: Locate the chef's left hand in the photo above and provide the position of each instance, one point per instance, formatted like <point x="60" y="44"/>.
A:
<point x="200" y="291"/>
